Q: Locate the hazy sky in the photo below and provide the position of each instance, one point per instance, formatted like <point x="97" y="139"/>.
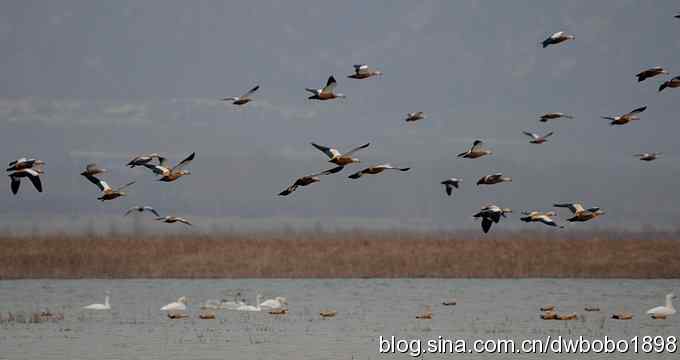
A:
<point x="84" y="81"/>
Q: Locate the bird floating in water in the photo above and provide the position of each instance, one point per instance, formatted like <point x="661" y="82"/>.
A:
<point x="108" y="193"/>
<point x="537" y="139"/>
<point x="325" y="93"/>
<point x="338" y="158"/>
<point x="32" y="174"/>
<point x="171" y="174"/>
<point x="179" y="305"/>
<point x="362" y="71"/>
<point x="493" y="179"/>
<point x="648" y="156"/>
<point x="451" y="183"/>
<point x="415" y="116"/>
<point x="243" y="99"/>
<point x="662" y="312"/>
<point x="651" y="72"/>
<point x="477" y="150"/>
<point x="377" y="169"/>
<point x="625" y="118"/>
<point x="554" y="115"/>
<point x="672" y="83"/>
<point x="105" y="306"/>
<point x="542" y="217"/>
<point x="557" y="38"/>
<point x="581" y="214"/>
<point x="491" y="214"/>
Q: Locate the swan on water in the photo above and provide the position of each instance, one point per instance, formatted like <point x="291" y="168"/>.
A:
<point x="246" y="307"/>
<point x="275" y="303"/>
<point x="179" y="305"/>
<point x="663" y="311"/>
<point x="105" y="306"/>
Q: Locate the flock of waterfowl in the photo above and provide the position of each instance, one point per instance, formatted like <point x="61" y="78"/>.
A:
<point x="489" y="214"/>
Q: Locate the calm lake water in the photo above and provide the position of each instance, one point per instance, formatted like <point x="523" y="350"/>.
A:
<point x="366" y="309"/>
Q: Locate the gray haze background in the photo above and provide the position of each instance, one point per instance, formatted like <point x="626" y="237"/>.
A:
<point x="85" y="81"/>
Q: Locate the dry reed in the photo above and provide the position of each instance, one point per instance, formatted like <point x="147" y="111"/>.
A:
<point x="344" y="254"/>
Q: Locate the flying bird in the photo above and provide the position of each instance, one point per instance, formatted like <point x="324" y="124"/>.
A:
<point x="537" y="139"/>
<point x="557" y="38"/>
<point x="169" y="174"/>
<point x="415" y="116"/>
<point x="672" y="83"/>
<point x="143" y="160"/>
<point x="648" y="156"/>
<point x="107" y="193"/>
<point x="142" y="209"/>
<point x="23" y="163"/>
<point x="338" y="158"/>
<point x="493" y="179"/>
<point x="93" y="169"/>
<point x="625" y="118"/>
<point x="477" y="150"/>
<point x="581" y="214"/>
<point x="243" y="99"/>
<point x="308" y="180"/>
<point x="377" y="169"/>
<point x="491" y="214"/>
<point x="554" y="115"/>
<point x="32" y="174"/>
<point x="362" y="71"/>
<point x="325" y="93"/>
<point x="451" y="183"/>
<point x="651" y="72"/>
<point x="542" y="217"/>
<point x="173" y="219"/>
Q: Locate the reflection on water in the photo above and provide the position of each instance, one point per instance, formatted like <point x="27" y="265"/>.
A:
<point x="366" y="309"/>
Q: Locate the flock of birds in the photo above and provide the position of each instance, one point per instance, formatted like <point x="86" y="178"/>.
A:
<point x="279" y="306"/>
<point x="489" y="214"/>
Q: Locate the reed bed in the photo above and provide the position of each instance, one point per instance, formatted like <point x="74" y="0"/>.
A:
<point x="344" y="254"/>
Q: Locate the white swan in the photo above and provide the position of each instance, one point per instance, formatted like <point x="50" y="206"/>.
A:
<point x="663" y="311"/>
<point x="275" y="303"/>
<point x="246" y="307"/>
<point x="179" y="305"/>
<point x="104" y="306"/>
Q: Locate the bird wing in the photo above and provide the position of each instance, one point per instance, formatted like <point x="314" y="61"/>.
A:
<point x="91" y="167"/>
<point x="486" y="224"/>
<point x="357" y="149"/>
<point x="548" y="135"/>
<point x="557" y="35"/>
<point x="15" y="183"/>
<point x="477" y="145"/>
<point x="576" y="207"/>
<point x="360" y="68"/>
<point x="130" y="210"/>
<point x="126" y="185"/>
<point x="330" y="85"/>
<point x="449" y="188"/>
<point x="637" y="111"/>
<point x="532" y="135"/>
<point x="101" y="184"/>
<point x="330" y="152"/>
<point x="328" y="172"/>
<point x="251" y="91"/>
<point x="608" y="118"/>
<point x="183" y="221"/>
<point x="313" y="91"/>
<point x="34" y="176"/>
<point x="152" y="210"/>
<point x="184" y="162"/>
